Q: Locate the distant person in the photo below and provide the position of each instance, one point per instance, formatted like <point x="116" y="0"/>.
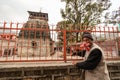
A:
<point x="93" y="66"/>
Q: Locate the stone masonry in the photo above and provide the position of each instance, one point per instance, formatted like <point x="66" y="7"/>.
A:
<point x="48" y="71"/>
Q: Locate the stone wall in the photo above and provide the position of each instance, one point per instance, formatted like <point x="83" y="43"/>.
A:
<point x="40" y="73"/>
<point x="50" y="72"/>
<point x="42" y="48"/>
<point x="114" y="70"/>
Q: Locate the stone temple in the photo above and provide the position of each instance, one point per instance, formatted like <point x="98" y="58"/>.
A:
<point x="34" y="37"/>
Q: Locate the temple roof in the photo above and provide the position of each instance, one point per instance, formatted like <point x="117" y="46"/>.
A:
<point x="32" y="12"/>
<point x="38" y="15"/>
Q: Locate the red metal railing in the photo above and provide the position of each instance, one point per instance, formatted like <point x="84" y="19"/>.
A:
<point x="20" y="43"/>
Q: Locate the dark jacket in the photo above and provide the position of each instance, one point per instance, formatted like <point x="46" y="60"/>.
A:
<point x="91" y="62"/>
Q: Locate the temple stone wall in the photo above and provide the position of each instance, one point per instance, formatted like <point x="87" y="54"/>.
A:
<point x="42" y="48"/>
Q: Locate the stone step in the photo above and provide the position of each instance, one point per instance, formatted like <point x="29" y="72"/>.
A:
<point x="115" y="78"/>
<point x="114" y="71"/>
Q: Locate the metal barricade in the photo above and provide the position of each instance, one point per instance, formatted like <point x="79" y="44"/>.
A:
<point x="21" y="43"/>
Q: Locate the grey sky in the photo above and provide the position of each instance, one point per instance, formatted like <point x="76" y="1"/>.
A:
<point x="16" y="10"/>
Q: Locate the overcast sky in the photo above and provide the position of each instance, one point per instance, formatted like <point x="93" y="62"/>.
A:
<point x="16" y="10"/>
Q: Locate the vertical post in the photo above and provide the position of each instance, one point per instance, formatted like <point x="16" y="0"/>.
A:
<point x="64" y="44"/>
<point x="119" y="27"/>
<point x="117" y="42"/>
<point x="2" y="40"/>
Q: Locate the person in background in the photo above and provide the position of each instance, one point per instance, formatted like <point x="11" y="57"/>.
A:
<point x="94" y="65"/>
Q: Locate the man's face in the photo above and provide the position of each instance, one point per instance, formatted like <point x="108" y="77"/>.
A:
<point x="87" y="41"/>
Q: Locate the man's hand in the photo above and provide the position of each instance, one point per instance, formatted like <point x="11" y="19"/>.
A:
<point x="74" y="62"/>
